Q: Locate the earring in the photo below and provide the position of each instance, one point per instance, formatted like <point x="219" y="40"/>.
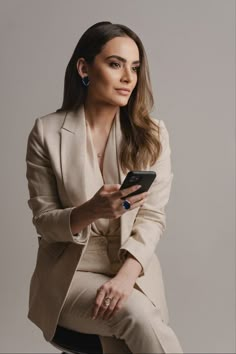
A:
<point x="85" y="81"/>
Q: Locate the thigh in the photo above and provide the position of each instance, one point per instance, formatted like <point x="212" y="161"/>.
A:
<point x="76" y="313"/>
<point x="77" y="309"/>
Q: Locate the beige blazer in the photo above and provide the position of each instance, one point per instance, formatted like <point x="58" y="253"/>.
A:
<point x="57" y="183"/>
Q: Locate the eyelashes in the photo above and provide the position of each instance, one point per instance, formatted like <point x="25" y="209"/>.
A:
<point x="118" y="65"/>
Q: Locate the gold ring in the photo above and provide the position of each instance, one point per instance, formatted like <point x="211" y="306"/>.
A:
<point x="107" y="301"/>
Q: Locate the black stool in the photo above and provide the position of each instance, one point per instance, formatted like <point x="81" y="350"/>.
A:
<point x="76" y="342"/>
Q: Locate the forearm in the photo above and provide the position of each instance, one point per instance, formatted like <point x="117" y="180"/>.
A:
<point x="81" y="217"/>
<point x="131" y="267"/>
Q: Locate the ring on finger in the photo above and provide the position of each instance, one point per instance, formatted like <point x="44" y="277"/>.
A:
<point x="107" y="301"/>
<point x="126" y="204"/>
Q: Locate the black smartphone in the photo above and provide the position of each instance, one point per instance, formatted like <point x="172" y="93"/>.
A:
<point x="144" y="178"/>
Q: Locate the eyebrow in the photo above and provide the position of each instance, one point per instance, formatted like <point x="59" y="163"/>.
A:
<point x="122" y="59"/>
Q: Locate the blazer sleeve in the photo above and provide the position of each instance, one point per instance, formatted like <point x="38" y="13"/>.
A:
<point x="150" y="222"/>
<point x="51" y="220"/>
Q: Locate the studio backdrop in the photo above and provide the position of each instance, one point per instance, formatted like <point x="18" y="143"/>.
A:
<point x="191" y="52"/>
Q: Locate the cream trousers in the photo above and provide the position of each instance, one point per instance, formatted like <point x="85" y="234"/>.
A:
<point x="136" y="328"/>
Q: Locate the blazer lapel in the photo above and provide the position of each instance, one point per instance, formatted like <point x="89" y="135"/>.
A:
<point x="72" y="150"/>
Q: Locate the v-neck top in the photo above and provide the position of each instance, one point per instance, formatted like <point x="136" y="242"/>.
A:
<point x="101" y="253"/>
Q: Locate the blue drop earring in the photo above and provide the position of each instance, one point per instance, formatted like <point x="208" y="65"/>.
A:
<point x="85" y="81"/>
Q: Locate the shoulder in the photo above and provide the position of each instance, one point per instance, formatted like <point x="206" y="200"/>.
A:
<point x="46" y="130"/>
<point x="48" y="124"/>
<point x="51" y="120"/>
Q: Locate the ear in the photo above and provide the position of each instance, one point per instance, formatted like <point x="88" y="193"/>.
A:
<point x="82" y="67"/>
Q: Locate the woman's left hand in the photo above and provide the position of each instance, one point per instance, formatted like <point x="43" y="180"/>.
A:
<point x="118" y="289"/>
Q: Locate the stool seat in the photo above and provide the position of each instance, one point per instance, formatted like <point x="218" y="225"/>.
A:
<point x="76" y="342"/>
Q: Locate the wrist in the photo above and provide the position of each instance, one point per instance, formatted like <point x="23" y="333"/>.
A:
<point x="131" y="267"/>
<point x="92" y="210"/>
<point x="80" y="217"/>
<point x="88" y="212"/>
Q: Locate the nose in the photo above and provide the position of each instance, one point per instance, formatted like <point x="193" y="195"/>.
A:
<point x="127" y="75"/>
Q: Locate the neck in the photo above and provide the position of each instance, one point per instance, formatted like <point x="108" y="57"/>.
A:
<point x="100" y="117"/>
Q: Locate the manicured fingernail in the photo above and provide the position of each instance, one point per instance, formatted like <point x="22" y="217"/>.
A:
<point x="138" y="186"/>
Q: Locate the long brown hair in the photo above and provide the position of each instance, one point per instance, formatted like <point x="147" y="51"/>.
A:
<point x="140" y="146"/>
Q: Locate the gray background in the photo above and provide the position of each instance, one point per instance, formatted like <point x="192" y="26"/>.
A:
<point x="191" y="51"/>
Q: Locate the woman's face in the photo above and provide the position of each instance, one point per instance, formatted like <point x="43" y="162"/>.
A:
<point x="108" y="75"/>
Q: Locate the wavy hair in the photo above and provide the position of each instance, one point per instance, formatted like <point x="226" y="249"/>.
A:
<point x="140" y="145"/>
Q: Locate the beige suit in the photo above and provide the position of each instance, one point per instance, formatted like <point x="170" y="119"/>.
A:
<point x="57" y="182"/>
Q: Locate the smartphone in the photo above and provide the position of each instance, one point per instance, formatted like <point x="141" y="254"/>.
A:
<point x="144" y="178"/>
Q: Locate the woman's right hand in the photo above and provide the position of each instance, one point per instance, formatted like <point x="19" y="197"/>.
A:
<point x="107" y="202"/>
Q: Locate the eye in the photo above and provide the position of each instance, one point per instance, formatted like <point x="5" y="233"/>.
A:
<point x="112" y="63"/>
<point x="117" y="65"/>
<point x="136" y="68"/>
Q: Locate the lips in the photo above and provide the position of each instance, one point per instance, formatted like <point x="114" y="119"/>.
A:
<point x="123" y="92"/>
<point x="123" y="89"/>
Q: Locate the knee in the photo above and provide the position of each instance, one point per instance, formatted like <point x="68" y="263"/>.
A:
<point x="128" y="320"/>
<point x="136" y="311"/>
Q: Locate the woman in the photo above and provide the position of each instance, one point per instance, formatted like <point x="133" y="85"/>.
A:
<point x="96" y="270"/>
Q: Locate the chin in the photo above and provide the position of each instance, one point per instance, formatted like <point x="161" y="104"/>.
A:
<point x="122" y="102"/>
<point x="118" y="102"/>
